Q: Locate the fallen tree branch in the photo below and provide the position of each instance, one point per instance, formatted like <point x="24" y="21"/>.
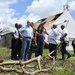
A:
<point x="19" y="62"/>
<point x="10" y="70"/>
<point x="22" y="65"/>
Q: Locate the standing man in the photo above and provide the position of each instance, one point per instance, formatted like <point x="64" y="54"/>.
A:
<point x="32" y="47"/>
<point x="53" y="39"/>
<point x="73" y="44"/>
<point x="15" y="41"/>
<point x="64" y="39"/>
<point x="20" y="41"/>
<point x="27" y="34"/>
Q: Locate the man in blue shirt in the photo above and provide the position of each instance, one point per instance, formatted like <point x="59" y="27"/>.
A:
<point x="27" y="34"/>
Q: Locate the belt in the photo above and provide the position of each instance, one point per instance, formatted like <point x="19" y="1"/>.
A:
<point x="27" y="37"/>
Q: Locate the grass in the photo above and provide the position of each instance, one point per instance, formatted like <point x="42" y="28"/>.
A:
<point x="4" y="51"/>
<point x="7" y="52"/>
<point x="61" y="68"/>
<point x="45" y="52"/>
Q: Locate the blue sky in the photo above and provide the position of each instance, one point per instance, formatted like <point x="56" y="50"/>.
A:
<point x="20" y="7"/>
<point x="73" y="14"/>
<point x="22" y="10"/>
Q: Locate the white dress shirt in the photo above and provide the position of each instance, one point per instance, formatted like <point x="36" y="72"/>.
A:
<point x="15" y="33"/>
<point x="53" y="37"/>
<point x="64" y="31"/>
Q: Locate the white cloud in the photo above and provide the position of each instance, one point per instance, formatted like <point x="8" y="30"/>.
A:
<point x="6" y="13"/>
<point x="33" y="17"/>
<point x="72" y="4"/>
<point x="46" y="8"/>
<point x="23" y="19"/>
<point x="38" y="9"/>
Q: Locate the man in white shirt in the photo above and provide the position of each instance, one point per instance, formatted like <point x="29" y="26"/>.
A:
<point x="15" y="41"/>
<point x="53" y="39"/>
<point x="64" y="39"/>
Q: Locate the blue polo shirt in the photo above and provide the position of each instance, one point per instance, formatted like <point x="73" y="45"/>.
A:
<point x="26" y="31"/>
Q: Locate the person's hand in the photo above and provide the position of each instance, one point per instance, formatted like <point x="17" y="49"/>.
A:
<point x="36" y="44"/>
<point x="21" y="39"/>
<point x="15" y="38"/>
<point x="61" y="39"/>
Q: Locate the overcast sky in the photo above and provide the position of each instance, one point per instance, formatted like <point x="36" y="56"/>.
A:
<point x="12" y="11"/>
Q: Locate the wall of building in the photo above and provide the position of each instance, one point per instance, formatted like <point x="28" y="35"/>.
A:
<point x="6" y="40"/>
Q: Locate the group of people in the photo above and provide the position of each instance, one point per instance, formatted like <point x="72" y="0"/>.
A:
<point x="54" y="38"/>
<point x="24" y="37"/>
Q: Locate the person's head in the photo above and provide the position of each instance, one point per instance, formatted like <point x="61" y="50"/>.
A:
<point x="28" y="23"/>
<point x="32" y="24"/>
<point x="54" y="26"/>
<point x="20" y="25"/>
<point x="40" y="28"/>
<point x="16" y="25"/>
<point x="62" y="27"/>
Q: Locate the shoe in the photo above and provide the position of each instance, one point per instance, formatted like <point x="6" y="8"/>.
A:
<point x="68" y="56"/>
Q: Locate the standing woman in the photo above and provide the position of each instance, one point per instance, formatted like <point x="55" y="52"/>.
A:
<point x="39" y="41"/>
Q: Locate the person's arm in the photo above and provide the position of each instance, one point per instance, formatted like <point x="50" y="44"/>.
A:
<point x="45" y="31"/>
<point x="20" y="35"/>
<point x="43" y="35"/>
<point x="32" y="34"/>
<point x="66" y="33"/>
<point x="35" y="38"/>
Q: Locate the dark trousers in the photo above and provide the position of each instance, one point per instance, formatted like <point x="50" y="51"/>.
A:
<point x="51" y="48"/>
<point x="14" y="48"/>
<point x="39" y="50"/>
<point x="63" y="50"/>
<point x="19" y="49"/>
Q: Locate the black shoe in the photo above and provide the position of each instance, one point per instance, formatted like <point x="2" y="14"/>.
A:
<point x="68" y="56"/>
